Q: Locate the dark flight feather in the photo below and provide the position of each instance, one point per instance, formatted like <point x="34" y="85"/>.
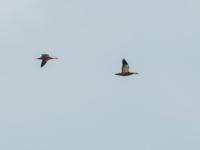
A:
<point x="124" y="62"/>
<point x="43" y="63"/>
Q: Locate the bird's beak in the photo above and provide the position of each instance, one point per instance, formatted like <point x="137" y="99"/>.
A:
<point x="55" y="58"/>
<point x="38" y="58"/>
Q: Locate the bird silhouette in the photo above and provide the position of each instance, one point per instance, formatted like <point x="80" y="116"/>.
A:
<point x="45" y="58"/>
<point x="125" y="69"/>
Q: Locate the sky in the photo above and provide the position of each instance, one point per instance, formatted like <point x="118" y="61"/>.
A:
<point x="76" y="102"/>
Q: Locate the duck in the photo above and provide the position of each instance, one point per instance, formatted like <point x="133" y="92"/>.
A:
<point x="125" y="69"/>
<point x="45" y="58"/>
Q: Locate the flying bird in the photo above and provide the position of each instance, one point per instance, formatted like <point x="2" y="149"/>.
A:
<point x="125" y="69"/>
<point x="45" y="58"/>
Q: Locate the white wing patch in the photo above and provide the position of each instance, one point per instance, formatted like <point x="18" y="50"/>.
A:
<point x="125" y="68"/>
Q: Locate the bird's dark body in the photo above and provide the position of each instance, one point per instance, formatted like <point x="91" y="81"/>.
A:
<point x="45" y="58"/>
<point x="125" y="69"/>
<point x="126" y="73"/>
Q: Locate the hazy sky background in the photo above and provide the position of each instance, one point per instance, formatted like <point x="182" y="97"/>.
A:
<point x="76" y="102"/>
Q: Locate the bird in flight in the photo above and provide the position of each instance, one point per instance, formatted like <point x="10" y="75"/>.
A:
<point x="45" y="58"/>
<point x="125" y="69"/>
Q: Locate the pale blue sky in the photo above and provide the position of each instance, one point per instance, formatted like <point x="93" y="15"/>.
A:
<point x="76" y="102"/>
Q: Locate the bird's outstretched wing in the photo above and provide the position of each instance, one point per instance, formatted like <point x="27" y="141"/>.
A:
<point x="43" y="63"/>
<point x="125" y="66"/>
